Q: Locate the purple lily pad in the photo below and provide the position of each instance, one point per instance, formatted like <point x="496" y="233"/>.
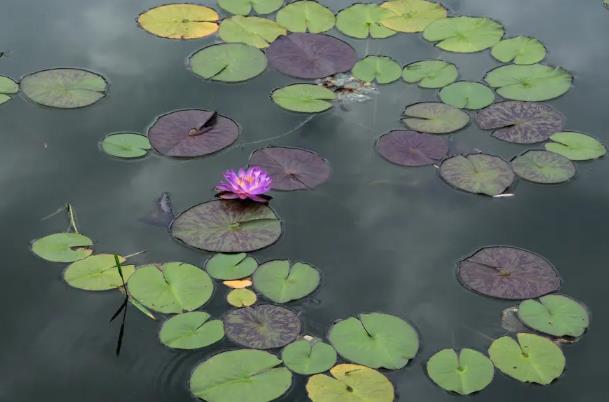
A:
<point x="262" y="327"/>
<point x="411" y="148"/>
<point x="508" y="273"/>
<point x="308" y="55"/>
<point x="192" y="132"/>
<point x="477" y="173"/>
<point x="227" y="226"/>
<point x="291" y="168"/>
<point x="521" y="122"/>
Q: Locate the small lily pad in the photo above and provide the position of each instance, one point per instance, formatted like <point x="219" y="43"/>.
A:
<point x="97" y="272"/>
<point x="364" y="20"/>
<point x="381" y="69"/>
<point x="412" y="15"/>
<point x="230" y="266"/>
<point x="241" y="298"/>
<point x="306" y="16"/>
<point x="555" y="315"/>
<point x="126" y="145"/>
<point x="464" y="34"/>
<point x="192" y="330"/>
<point x="535" y="82"/>
<point x="467" y="95"/>
<point x="434" y="118"/>
<point x="575" y="146"/>
<point x="350" y="382"/>
<point x="519" y="50"/>
<point x="430" y="73"/>
<point x="180" y="21"/>
<point x="410" y="148"/>
<point x="238" y="283"/>
<point x="467" y="372"/>
<point x="228" y="62"/>
<point x="7" y="87"/>
<point x="253" y="31"/>
<point x="477" y="173"/>
<point x="244" y="7"/>
<point x="308" y="357"/>
<point x="282" y="281"/>
<point x="63" y="247"/>
<point x="304" y="98"/>
<point x="543" y="167"/>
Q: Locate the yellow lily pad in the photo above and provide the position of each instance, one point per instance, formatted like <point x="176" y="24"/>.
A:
<point x="180" y="21"/>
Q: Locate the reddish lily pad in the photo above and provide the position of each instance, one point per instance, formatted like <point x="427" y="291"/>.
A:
<point x="292" y="168"/>
<point x="411" y="148"/>
<point x="521" y="122"/>
<point x="477" y="173"/>
<point x="508" y="272"/>
<point x="192" y="132"/>
<point x="543" y="167"/>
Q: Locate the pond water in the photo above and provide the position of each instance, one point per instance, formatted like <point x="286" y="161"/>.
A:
<point x="386" y="238"/>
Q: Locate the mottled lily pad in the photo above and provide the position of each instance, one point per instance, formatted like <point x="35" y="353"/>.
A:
<point x="477" y="173"/>
<point x="508" y="273"/>
<point x="192" y="330"/>
<point x="63" y="247"/>
<point x="543" y="167"/>
<point x="434" y="118"/>
<point x="350" y="383"/>
<point x="410" y="148"/>
<point x="519" y="50"/>
<point x="241" y="297"/>
<point x="521" y="122"/>
<point x="575" y="146"/>
<point x="555" y="315"/>
<point x="126" y="145"/>
<point x="467" y="372"/>
<point x="304" y="98"/>
<point x="253" y="31"/>
<point x="535" y="82"/>
<point x="227" y="226"/>
<point x="7" y="87"/>
<point x="430" y="73"/>
<point x="281" y="281"/>
<point x="230" y="266"/>
<point x="464" y="34"/>
<point x="364" y="20"/>
<point x="262" y="327"/>
<point x="467" y="95"/>
<point x="191" y="133"/>
<point x="381" y="69"/>
<point x="244" y="7"/>
<point x="228" y="62"/>
<point x="97" y="272"/>
<point x="306" y="16"/>
<point x="412" y="15"/>
<point x="308" y="357"/>
<point x="180" y="21"/>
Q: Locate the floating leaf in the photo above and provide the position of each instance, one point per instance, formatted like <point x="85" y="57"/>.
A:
<point x="7" y="87"/>
<point x="375" y="340"/>
<point x="352" y="383"/>
<point x="508" y="273"/>
<point x="240" y="375"/>
<point x="227" y="226"/>
<point x="430" y="73"/>
<point x="381" y="69"/>
<point x="519" y="50"/>
<point x="304" y="98"/>
<point x="410" y="148"/>
<point x="543" y="167"/>
<point x="192" y="132"/>
<point x="65" y="88"/>
<point x="97" y="272"/>
<point x="303" y="16"/>
<point x="262" y="327"/>
<point x="180" y="21"/>
<point x="192" y="330"/>
<point x="464" y="373"/>
<point x="535" y="82"/>
<point x="253" y="31"/>
<point x="292" y="168"/>
<point x="467" y="95"/>
<point x="63" y="247"/>
<point x="309" y="55"/>
<point x="532" y="359"/>
<point x="244" y="7"/>
<point x="412" y="15"/>
<point x="308" y="357"/>
<point x="477" y="173"/>
<point x="555" y="315"/>
<point x="241" y="298"/>
<point x="230" y="266"/>
<point x="434" y="118"/>
<point x="126" y="145"/>
<point x="521" y="122"/>
<point x="229" y="62"/>
<point x="464" y="34"/>
<point x="363" y="20"/>
<point x="174" y="287"/>
<point x="238" y="283"/>
<point x="575" y="146"/>
<point x="281" y="281"/>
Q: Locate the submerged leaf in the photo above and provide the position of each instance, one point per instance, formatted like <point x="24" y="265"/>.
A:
<point x="180" y="21"/>
<point x="350" y="383"/>
<point x="192" y="330"/>
<point x="430" y="73"/>
<point x="126" y="145"/>
<point x="381" y="69"/>
<point x="304" y="98"/>
<point x="63" y="247"/>
<point x="411" y="148"/>
<point x="97" y="272"/>
<point x="464" y="373"/>
<point x="253" y="31"/>
<point x="364" y="20"/>
<point x="434" y="118"/>
<point x="555" y="315"/>
<point x="281" y="281"/>
<point x="244" y="7"/>
<point x="575" y="146"/>
<point x="535" y="82"/>
<point x="162" y="213"/>
<point x="477" y="173"/>
<point x="412" y="15"/>
<point x="464" y="34"/>
<point x="306" y="16"/>
<point x="228" y="62"/>
<point x="230" y="266"/>
<point x="467" y="95"/>
<point x="519" y="50"/>
<point x="543" y="167"/>
<point x="241" y="298"/>
<point x="308" y="357"/>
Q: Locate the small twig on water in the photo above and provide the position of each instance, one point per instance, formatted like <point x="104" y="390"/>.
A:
<point x="122" y="308"/>
<point x="72" y="217"/>
<point x="293" y="130"/>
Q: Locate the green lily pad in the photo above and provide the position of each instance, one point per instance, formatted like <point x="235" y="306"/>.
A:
<point x="228" y="62"/>
<point x="555" y="315"/>
<point x="533" y="358"/>
<point x="363" y="20"/>
<point x="97" y="272"/>
<point x="306" y="16"/>
<point x="308" y="357"/>
<point x="174" y="287"/>
<point x="464" y="34"/>
<point x="126" y="145"/>
<point x="180" y="21"/>
<point x="381" y="69"/>
<point x="350" y="383"/>
<point x="535" y="82"/>
<point x="240" y="375"/>
<point x="543" y="167"/>
<point x="519" y="50"/>
<point x="430" y="73"/>
<point x="253" y="31"/>
<point x="192" y="330"/>
<point x="244" y="7"/>
<point x="434" y="118"/>
<point x="575" y="146"/>
<point x="304" y="98"/>
<point x="478" y="173"/>
<point x="241" y="298"/>
<point x="412" y="15"/>
<point x="467" y="95"/>
<point x="63" y="247"/>
<point x="7" y="87"/>
<point x="230" y="266"/>
<point x="375" y="340"/>
<point x="281" y="281"/>
<point x="464" y="373"/>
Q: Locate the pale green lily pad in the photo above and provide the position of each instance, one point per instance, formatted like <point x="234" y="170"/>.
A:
<point x="575" y="146"/>
<point x="412" y="15"/>
<point x="544" y="167"/>
<point x="555" y="315"/>
<point x="535" y="82"/>
<point x="126" y="145"/>
<point x="241" y="298"/>
<point x="308" y="357"/>
<point x="306" y="16"/>
<point x="281" y="281"/>
<point x="192" y="330"/>
<point x="350" y="383"/>
<point x="7" y="87"/>
<point x="97" y="272"/>
<point x="244" y="7"/>
<point x="464" y="34"/>
<point x="253" y="31"/>
<point x="519" y="50"/>
<point x="467" y="95"/>
<point x="478" y="173"/>
<point x="230" y="266"/>
<point x="228" y="62"/>
<point x="464" y="373"/>
<point x="430" y="73"/>
<point x="364" y="20"/>
<point x="304" y="98"/>
<point x="381" y="69"/>
<point x="63" y="247"/>
<point x="434" y="118"/>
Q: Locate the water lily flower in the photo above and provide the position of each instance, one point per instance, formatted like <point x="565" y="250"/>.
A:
<point x="245" y="184"/>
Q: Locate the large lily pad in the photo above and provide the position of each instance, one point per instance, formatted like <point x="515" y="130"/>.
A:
<point x="304" y="98"/>
<point x="434" y="118"/>
<point x="228" y="62"/>
<point x="292" y="168"/>
<point x="521" y="122"/>
<point x="381" y="69"/>
<point x="174" y="287"/>
<point x="180" y="21"/>
<point x="464" y="34"/>
<point x="63" y="247"/>
<point x="7" y="87"/>
<point x="364" y="20"/>
<point x="375" y="340"/>
<point x="306" y="16"/>
<point x="309" y="55"/>
<point x="508" y="273"/>
<point x="467" y="95"/>
<point x="575" y="146"/>
<point x="126" y="145"/>
<point x="192" y="132"/>
<point x="555" y="315"/>
<point x="97" y="272"/>
<point x="350" y="383"/>
<point x="262" y="327"/>
<point x="240" y="375"/>
<point x="477" y="173"/>
<point x="430" y="73"/>
<point x="533" y="358"/>
<point x="308" y="357"/>
<point x="281" y="281"/>
<point x="241" y="298"/>
<point x="519" y="50"/>
<point x="410" y="148"/>
<point x="253" y="31"/>
<point x="227" y="226"/>
<point x="230" y="266"/>
<point x="543" y="167"/>
<point x="412" y="15"/>
<point x="467" y="372"/>
<point x="535" y="82"/>
<point x="244" y="7"/>
<point x="192" y="330"/>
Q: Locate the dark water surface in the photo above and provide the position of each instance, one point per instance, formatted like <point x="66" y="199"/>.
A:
<point x="386" y="238"/>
